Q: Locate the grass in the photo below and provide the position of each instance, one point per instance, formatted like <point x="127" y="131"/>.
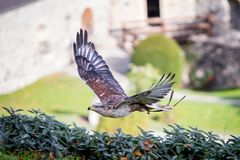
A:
<point x="68" y="97"/>
<point x="228" y="93"/>
<point x="28" y="156"/>
<point x="57" y="94"/>
<point x="221" y="118"/>
<point x="6" y="156"/>
<point x="207" y="116"/>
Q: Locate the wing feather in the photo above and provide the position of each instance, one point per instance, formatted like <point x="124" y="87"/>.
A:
<point x="94" y="70"/>
<point x="154" y="94"/>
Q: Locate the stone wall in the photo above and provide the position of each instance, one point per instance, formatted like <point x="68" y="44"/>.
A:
<point x="36" y="39"/>
<point x="177" y="9"/>
<point x="220" y="11"/>
<point x="217" y="63"/>
<point x="127" y="10"/>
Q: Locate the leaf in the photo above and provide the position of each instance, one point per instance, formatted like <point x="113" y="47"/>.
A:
<point x="178" y="149"/>
<point x="147" y="142"/>
<point x="51" y="156"/>
<point x="18" y="110"/>
<point x="7" y="109"/>
<point x="25" y="136"/>
<point x="54" y="140"/>
<point x="137" y="153"/>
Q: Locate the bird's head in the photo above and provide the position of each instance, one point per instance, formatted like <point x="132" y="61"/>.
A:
<point x="97" y="107"/>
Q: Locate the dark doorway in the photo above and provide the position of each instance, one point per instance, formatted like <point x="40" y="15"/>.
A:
<point x="153" y="8"/>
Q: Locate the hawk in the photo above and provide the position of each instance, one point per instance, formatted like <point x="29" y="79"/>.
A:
<point x="114" y="101"/>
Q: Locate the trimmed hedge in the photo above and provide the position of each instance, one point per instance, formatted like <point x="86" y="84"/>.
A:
<point x="162" y="53"/>
<point x="46" y="138"/>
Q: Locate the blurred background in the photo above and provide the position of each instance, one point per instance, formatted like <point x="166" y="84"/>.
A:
<point x="140" y="40"/>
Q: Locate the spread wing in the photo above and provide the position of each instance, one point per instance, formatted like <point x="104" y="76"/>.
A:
<point x="154" y="94"/>
<point x="94" y="70"/>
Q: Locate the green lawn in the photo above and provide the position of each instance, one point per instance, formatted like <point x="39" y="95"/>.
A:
<point x="207" y="116"/>
<point x="57" y="95"/>
<point x="229" y="93"/>
<point x="68" y="97"/>
<point x="28" y="156"/>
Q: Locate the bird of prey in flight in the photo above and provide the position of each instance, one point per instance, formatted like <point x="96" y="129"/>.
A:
<point x="114" y="101"/>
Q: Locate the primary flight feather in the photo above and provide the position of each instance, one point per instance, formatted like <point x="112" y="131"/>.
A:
<point x="114" y="101"/>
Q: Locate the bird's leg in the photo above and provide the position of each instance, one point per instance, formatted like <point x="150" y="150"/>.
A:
<point x="167" y="107"/>
<point x="159" y="107"/>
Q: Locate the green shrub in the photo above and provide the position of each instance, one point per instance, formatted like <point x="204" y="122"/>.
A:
<point x="46" y="138"/>
<point x="163" y="53"/>
<point x="142" y="77"/>
<point x="41" y="133"/>
<point x="201" y="79"/>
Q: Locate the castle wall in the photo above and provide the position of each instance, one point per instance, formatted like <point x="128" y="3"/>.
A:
<point x="127" y="10"/>
<point x="177" y="9"/>
<point x="36" y="39"/>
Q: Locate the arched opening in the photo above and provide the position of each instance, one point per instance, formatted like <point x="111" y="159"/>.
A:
<point x="87" y="20"/>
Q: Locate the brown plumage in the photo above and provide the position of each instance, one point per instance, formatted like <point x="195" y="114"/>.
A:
<point x="114" y="102"/>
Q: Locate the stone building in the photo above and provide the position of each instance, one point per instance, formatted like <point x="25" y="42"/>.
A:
<point x="129" y="10"/>
<point x="36" y="38"/>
